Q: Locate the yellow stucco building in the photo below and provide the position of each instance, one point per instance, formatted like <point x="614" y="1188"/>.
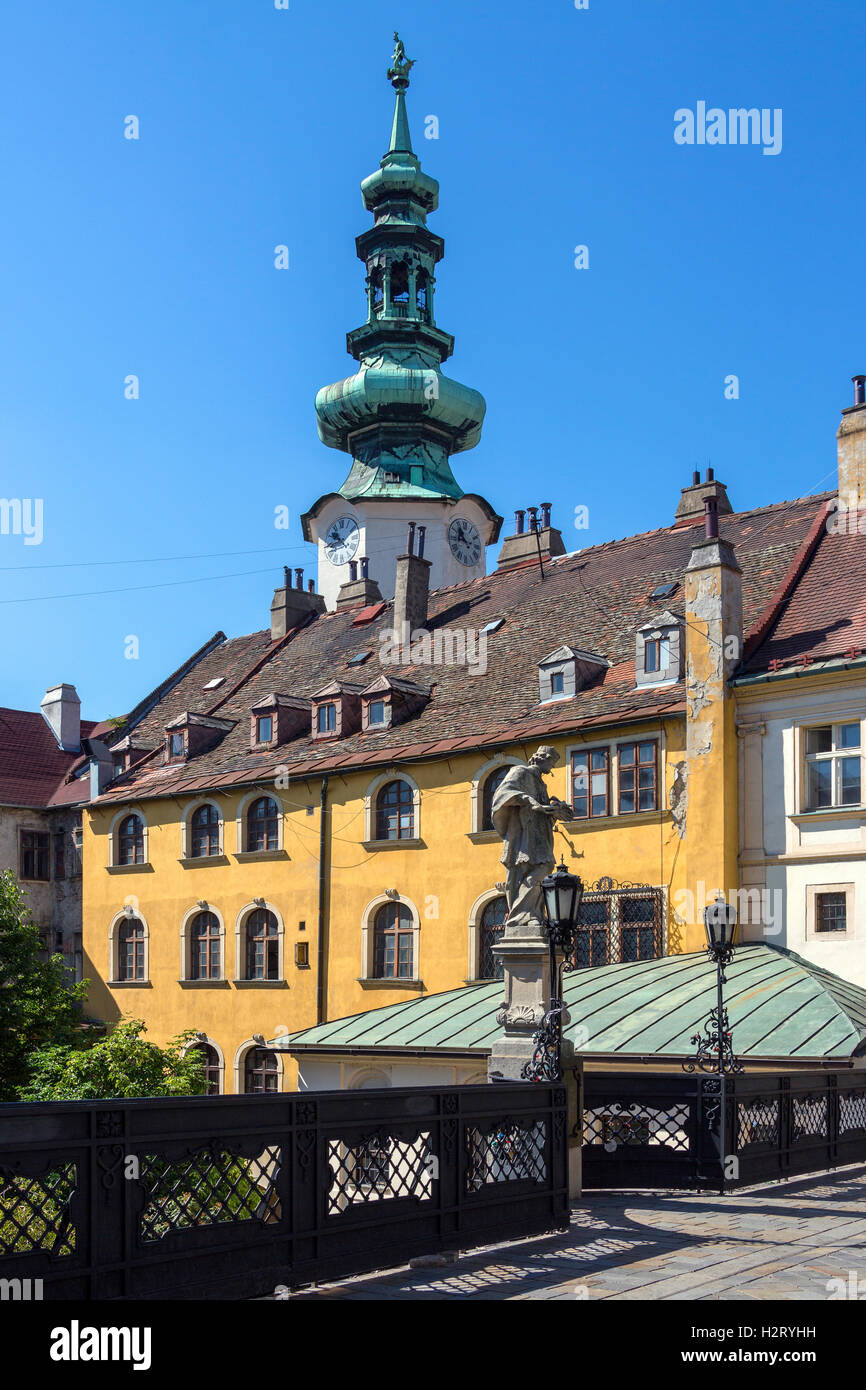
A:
<point x="294" y="826"/>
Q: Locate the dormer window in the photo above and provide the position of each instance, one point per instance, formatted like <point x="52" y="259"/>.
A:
<point x="264" y="728"/>
<point x="658" y="651"/>
<point x="276" y="718"/>
<point x="389" y="701"/>
<point x="190" y="735"/>
<point x="566" y="671"/>
<point x="336" y="710"/>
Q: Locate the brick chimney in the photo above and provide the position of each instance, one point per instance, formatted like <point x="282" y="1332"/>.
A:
<point x="412" y="586"/>
<point x="692" y="498"/>
<point x="292" y="603"/>
<point x="851" y="447"/>
<point x="61" y="709"/>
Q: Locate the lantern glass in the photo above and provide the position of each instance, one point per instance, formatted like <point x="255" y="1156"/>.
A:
<point x="720" y="921"/>
<point x="562" y="895"/>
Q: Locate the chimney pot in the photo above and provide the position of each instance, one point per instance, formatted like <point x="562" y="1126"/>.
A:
<point x="519" y="517"/>
<point x="533" y="518"/>
<point x="410" y="539"/>
<point x="546" y="508"/>
<point x="711" y="476"/>
<point x="696" y="477"/>
<point x="353" y="571"/>
<point x="365" y="567"/>
<point x="299" y="579"/>
<point x="422" y="531"/>
<point x="311" y="586"/>
<point x="859" y="389"/>
<point x="711" y="517"/>
<point x="287" y="577"/>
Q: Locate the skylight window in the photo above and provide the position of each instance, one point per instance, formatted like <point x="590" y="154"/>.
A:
<point x="217" y="681"/>
<point x="358" y="659"/>
<point x="494" y="625"/>
<point x="664" y="590"/>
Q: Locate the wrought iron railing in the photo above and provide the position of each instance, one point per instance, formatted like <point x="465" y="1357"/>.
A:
<point x="663" y="1130"/>
<point x="232" y="1195"/>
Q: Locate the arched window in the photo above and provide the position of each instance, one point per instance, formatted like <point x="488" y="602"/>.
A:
<point x="212" y="1068"/>
<point x="261" y="1072"/>
<point x="204" y="832"/>
<point x="492" y="781"/>
<point x="130" y="840"/>
<point x="263" y="825"/>
<point x="399" y="283"/>
<point x="262" y="946"/>
<point x="395" y="812"/>
<point x="204" y="947"/>
<point x="130" y="949"/>
<point x="393" y="935"/>
<point x="492" y="927"/>
<point x="378" y="292"/>
<point x="421" y="294"/>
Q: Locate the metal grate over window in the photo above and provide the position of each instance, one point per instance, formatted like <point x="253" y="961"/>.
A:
<point x="619" y="922"/>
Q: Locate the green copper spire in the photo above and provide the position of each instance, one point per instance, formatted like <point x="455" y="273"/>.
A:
<point x="399" y="416"/>
<point x="398" y="75"/>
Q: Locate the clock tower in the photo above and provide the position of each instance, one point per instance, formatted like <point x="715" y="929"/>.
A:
<point x="399" y="417"/>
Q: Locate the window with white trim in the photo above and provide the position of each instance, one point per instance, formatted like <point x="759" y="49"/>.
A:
<point x="833" y="766"/>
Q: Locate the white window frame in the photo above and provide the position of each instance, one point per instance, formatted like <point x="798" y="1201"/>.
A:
<point x="805" y="760"/>
<point x="813" y="892"/>
<point x="240" y="1065"/>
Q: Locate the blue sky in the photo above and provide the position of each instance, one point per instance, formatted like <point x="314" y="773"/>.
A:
<point x="604" y="386"/>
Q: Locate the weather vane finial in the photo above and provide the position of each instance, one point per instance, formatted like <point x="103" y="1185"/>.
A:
<point x="398" y="72"/>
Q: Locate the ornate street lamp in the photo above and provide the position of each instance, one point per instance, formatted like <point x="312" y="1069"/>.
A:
<point x="715" y="1053"/>
<point x="562" y="893"/>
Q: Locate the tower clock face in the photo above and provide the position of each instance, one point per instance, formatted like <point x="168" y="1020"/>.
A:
<point x="464" y="541"/>
<point x="341" y="540"/>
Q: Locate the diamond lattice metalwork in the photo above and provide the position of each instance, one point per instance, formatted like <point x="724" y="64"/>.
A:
<point x="208" y="1188"/>
<point x="852" y="1111"/>
<point x="510" y="1153"/>
<point x="809" y="1115"/>
<point x="34" y="1212"/>
<point x="629" y="1123"/>
<point x="758" y="1122"/>
<point x="380" y="1167"/>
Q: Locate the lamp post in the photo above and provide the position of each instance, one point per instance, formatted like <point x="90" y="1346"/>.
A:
<point x="562" y="893"/>
<point x="715" y="1052"/>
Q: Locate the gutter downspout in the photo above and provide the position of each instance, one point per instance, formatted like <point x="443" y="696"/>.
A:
<point x="320" y="939"/>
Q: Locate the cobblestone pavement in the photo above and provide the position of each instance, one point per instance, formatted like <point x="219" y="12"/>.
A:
<point x="783" y="1240"/>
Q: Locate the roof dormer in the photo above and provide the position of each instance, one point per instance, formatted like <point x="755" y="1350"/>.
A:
<point x="275" y="719"/>
<point x="192" y="734"/>
<point x="390" y="701"/>
<point x="659" y="651"/>
<point x="336" y="710"/>
<point x="566" y="671"/>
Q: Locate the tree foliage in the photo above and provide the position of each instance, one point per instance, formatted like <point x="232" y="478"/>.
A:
<point x="38" y="1007"/>
<point x="120" y="1066"/>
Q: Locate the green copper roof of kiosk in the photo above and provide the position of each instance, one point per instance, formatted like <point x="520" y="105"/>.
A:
<point x="398" y="415"/>
<point x="779" y="1006"/>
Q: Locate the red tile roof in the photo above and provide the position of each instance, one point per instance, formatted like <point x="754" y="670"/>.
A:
<point x="594" y="599"/>
<point x="33" y="769"/>
<point x="822" y="614"/>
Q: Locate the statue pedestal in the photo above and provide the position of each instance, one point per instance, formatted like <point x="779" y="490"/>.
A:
<point x="525" y="957"/>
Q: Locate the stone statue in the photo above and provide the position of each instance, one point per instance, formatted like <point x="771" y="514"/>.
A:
<point x="524" y="814"/>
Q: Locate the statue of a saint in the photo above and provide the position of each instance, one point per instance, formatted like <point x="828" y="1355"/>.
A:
<point x="524" y="814"/>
